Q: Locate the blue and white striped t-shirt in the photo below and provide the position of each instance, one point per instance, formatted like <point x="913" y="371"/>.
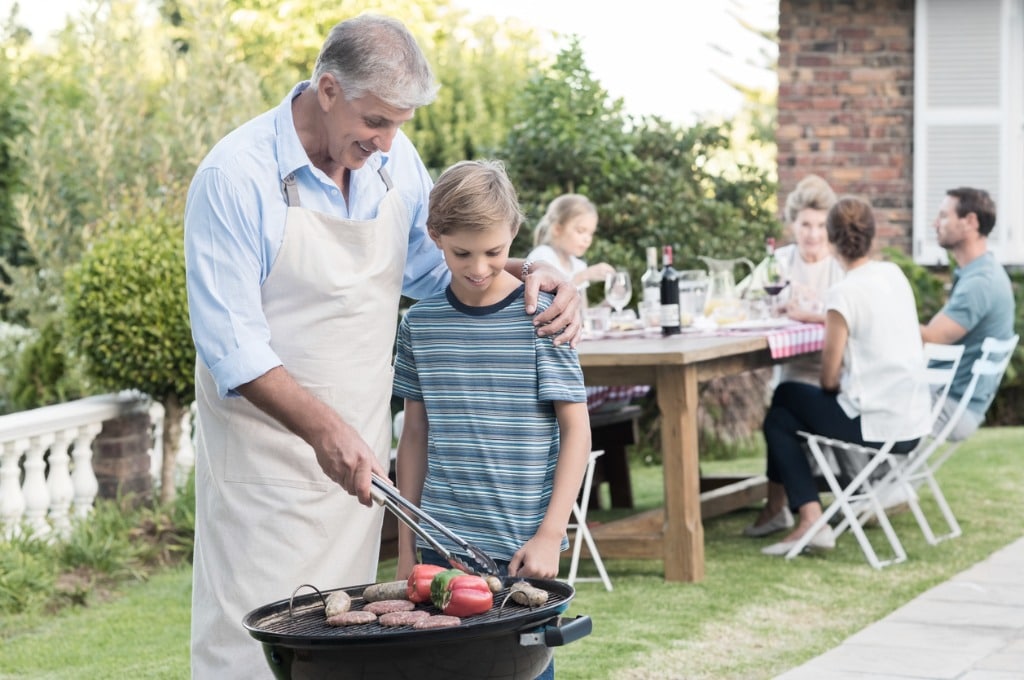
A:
<point x="487" y="383"/>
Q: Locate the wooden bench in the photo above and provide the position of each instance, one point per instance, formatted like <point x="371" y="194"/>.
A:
<point x="612" y="431"/>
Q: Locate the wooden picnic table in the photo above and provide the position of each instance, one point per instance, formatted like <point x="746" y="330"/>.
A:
<point x="675" y="365"/>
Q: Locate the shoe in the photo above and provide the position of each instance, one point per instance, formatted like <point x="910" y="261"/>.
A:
<point x="823" y="540"/>
<point x="783" y="520"/>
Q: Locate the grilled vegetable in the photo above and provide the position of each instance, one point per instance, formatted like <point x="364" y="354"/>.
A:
<point x="417" y="588"/>
<point x="494" y="583"/>
<point x="393" y="590"/>
<point x="439" y="585"/>
<point x="530" y="596"/>
<point x="459" y="594"/>
<point x="338" y="602"/>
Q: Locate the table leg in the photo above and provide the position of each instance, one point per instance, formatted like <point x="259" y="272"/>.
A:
<point x="684" y="532"/>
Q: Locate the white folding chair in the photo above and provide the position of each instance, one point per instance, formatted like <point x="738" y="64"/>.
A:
<point x="871" y="470"/>
<point x="922" y="466"/>
<point x="582" y="532"/>
<point x="943" y="362"/>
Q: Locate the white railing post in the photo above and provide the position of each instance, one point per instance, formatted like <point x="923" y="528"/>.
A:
<point x="186" y="459"/>
<point x="39" y="499"/>
<point x="83" y="477"/>
<point x="37" y="496"/>
<point x="12" y="499"/>
<point x="156" y="453"/>
<point x="58" y="482"/>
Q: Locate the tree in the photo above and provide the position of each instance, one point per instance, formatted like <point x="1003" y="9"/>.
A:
<point x="13" y="249"/>
<point x="127" y="314"/>
<point x="653" y="182"/>
<point x="114" y="116"/>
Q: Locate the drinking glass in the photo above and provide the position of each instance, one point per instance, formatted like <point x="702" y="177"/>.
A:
<point x="618" y="289"/>
<point x="693" y="291"/>
<point x="775" y="281"/>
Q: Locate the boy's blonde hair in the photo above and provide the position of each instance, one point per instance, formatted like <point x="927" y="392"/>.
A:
<point x="473" y="195"/>
<point x="560" y="211"/>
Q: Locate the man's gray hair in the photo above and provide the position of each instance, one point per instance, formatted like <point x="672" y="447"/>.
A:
<point x="377" y="55"/>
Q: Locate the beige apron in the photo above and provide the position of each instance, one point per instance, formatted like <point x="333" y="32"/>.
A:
<point x="267" y="518"/>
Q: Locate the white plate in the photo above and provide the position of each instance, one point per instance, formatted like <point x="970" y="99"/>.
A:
<point x="761" y="324"/>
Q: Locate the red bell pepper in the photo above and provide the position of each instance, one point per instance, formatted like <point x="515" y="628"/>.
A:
<point x="417" y="588"/>
<point x="459" y="594"/>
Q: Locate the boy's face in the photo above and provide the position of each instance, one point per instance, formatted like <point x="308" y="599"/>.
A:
<point x="476" y="258"/>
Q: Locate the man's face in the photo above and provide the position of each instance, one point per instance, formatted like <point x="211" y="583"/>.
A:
<point x="358" y="128"/>
<point x="949" y="227"/>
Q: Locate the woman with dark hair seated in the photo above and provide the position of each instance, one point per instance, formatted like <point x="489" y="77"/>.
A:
<point x="873" y="385"/>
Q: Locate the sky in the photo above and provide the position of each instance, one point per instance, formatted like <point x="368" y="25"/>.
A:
<point x="660" y="56"/>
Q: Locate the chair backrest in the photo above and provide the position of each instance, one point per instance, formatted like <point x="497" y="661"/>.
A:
<point x="995" y="357"/>
<point x="942" y="364"/>
<point x="397" y="424"/>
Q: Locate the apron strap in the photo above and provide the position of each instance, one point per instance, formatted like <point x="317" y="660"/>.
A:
<point x="291" y="191"/>
<point x="386" y="178"/>
<point x="290" y="187"/>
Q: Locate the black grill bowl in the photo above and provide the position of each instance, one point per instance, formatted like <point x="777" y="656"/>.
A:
<point x="505" y="643"/>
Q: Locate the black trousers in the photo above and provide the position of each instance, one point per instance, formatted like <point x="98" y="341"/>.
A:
<point x="799" y="406"/>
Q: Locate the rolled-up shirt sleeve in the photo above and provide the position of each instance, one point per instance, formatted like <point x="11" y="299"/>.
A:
<point x="224" y="263"/>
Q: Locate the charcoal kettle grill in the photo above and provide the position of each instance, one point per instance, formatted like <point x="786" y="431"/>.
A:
<point x="505" y="643"/>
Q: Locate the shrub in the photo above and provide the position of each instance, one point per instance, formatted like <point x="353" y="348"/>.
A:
<point x="127" y="312"/>
<point x="27" y="574"/>
<point x="13" y="340"/>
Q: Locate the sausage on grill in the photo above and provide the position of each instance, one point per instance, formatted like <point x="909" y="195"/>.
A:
<point x="351" y="618"/>
<point x="386" y="606"/>
<point x="439" y="621"/>
<point x="402" y="618"/>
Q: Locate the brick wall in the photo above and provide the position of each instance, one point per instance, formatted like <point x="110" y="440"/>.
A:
<point x="120" y="457"/>
<point x="846" y="86"/>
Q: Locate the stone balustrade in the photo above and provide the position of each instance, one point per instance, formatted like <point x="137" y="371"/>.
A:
<point x="47" y="470"/>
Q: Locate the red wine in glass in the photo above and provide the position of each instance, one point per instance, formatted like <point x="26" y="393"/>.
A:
<point x="774" y="289"/>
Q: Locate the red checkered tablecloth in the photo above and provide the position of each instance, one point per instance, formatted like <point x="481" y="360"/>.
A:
<point x="789" y="340"/>
<point x="800" y="339"/>
<point x="599" y="396"/>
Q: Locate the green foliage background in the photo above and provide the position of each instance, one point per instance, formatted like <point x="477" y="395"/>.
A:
<point x="127" y="311"/>
<point x="105" y="126"/>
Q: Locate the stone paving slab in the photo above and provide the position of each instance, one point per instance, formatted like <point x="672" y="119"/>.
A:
<point x="973" y="640"/>
<point x="968" y="628"/>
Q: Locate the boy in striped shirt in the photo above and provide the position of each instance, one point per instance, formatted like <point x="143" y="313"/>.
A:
<point x="496" y="434"/>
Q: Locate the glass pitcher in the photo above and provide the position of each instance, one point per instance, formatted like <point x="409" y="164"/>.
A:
<point x="722" y="294"/>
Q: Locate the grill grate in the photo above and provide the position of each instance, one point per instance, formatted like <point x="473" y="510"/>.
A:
<point x="306" y="619"/>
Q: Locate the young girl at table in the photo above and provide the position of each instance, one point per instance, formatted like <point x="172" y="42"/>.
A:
<point x="496" y="434"/>
<point x="563" y="236"/>
<point x="872" y="384"/>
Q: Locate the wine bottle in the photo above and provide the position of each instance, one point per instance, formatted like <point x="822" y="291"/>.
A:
<point x="669" y="295"/>
<point x="773" y="284"/>
<point x="651" y="283"/>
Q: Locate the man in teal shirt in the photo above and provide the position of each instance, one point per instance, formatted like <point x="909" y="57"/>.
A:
<point x="980" y="303"/>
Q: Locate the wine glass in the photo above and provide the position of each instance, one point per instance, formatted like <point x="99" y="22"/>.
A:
<point x="618" y="289"/>
<point x="775" y="281"/>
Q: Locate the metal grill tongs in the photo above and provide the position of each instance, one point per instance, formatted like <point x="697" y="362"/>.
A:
<point x="384" y="493"/>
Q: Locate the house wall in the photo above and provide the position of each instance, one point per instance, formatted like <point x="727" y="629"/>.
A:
<point x="846" y="87"/>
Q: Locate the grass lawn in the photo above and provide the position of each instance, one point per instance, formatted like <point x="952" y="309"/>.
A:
<point x="752" y="617"/>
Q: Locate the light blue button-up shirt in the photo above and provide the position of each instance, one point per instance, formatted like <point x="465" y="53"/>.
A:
<point x="235" y="223"/>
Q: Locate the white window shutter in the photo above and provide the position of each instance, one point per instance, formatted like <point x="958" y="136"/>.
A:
<point x="969" y="130"/>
